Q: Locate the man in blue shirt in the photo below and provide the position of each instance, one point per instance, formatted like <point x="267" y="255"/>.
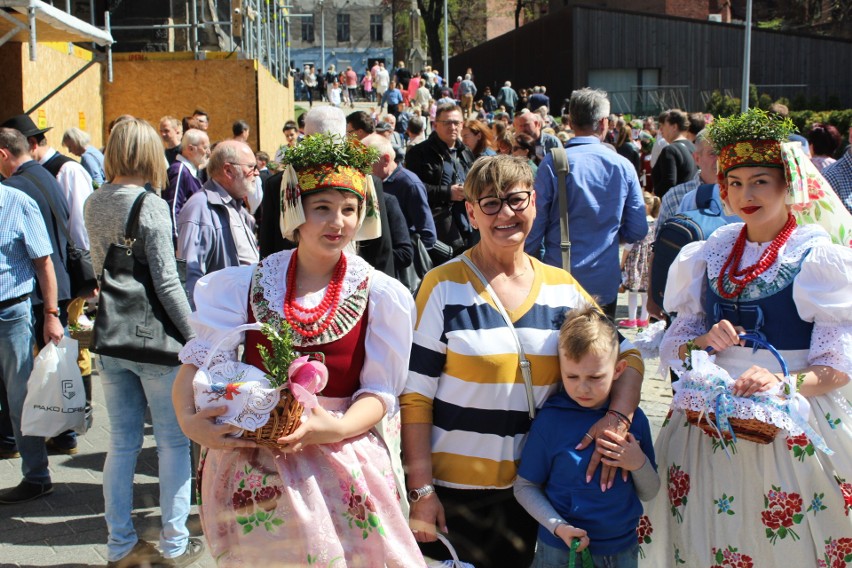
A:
<point x="24" y="258"/>
<point x="604" y="203"/>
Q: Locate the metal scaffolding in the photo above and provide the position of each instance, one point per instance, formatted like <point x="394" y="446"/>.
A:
<point x="258" y="29"/>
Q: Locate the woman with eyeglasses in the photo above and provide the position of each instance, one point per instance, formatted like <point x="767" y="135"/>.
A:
<point x="466" y="406"/>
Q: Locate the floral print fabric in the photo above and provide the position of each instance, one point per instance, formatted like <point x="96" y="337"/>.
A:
<point x="330" y="505"/>
<point x="779" y="504"/>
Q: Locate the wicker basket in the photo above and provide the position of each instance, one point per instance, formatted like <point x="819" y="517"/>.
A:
<point x="283" y="421"/>
<point x="747" y="429"/>
<point x="83" y="337"/>
<point x="751" y="429"/>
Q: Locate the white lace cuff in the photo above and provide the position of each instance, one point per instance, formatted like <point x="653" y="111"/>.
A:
<point x="831" y="345"/>
<point x="390" y="400"/>
<point x="683" y="328"/>
<point x="196" y="350"/>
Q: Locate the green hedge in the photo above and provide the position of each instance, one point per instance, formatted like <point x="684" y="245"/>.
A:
<point x="721" y="105"/>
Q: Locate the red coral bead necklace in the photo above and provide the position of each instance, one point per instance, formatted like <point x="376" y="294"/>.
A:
<point x="740" y="278"/>
<point x="315" y="320"/>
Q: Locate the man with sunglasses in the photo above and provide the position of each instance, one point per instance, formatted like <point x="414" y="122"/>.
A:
<point x="442" y="162"/>
<point x="215" y="228"/>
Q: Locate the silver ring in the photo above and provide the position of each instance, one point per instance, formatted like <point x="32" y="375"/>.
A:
<point x="589" y="436"/>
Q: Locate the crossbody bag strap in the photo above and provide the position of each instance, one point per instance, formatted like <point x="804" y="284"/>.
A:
<point x="560" y="162"/>
<point x="63" y="225"/>
<point x="526" y="373"/>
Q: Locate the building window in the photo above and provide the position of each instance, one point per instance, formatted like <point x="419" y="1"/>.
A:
<point x="343" y="27"/>
<point x="376" y="27"/>
<point x="308" y="29"/>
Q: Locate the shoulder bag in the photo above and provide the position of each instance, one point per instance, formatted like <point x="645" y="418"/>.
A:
<point x="131" y="323"/>
<point x="526" y="373"/>
<point x="78" y="261"/>
<point x="560" y="162"/>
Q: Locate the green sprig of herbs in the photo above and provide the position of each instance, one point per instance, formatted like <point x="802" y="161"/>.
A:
<point x="754" y="124"/>
<point x="318" y="149"/>
<point x="278" y="362"/>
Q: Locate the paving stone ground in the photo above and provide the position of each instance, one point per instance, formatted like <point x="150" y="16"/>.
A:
<point x="67" y="528"/>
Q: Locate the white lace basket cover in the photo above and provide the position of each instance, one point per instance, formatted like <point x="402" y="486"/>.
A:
<point x="243" y="389"/>
<point x="706" y="389"/>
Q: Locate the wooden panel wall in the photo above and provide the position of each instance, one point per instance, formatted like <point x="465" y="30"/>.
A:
<point x="275" y="106"/>
<point x="225" y="89"/>
<point x="78" y="104"/>
<point x="561" y="48"/>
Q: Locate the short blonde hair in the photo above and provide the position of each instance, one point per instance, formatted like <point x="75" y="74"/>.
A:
<point x="77" y="137"/>
<point x="587" y="330"/>
<point x="134" y="149"/>
<point x="499" y="173"/>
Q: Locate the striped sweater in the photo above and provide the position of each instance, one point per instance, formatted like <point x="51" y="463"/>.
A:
<point x="464" y="376"/>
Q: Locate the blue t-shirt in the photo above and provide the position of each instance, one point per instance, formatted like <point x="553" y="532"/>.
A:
<point x="550" y="460"/>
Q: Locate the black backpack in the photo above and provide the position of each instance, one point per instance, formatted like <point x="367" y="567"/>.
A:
<point x="680" y="230"/>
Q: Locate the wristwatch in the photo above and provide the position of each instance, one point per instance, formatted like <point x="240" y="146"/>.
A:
<point x="417" y="494"/>
<point x="54" y="311"/>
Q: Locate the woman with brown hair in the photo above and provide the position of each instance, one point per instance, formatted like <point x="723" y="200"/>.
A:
<point x="478" y="138"/>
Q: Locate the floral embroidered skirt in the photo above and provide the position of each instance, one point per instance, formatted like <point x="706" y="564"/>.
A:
<point x="780" y="504"/>
<point x="334" y="505"/>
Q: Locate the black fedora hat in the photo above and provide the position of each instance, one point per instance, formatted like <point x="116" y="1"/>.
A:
<point x="25" y="125"/>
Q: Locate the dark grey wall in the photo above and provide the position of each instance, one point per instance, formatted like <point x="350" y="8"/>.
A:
<point x="559" y="50"/>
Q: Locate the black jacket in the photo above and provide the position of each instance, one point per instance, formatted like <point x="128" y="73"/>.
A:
<point x="426" y="160"/>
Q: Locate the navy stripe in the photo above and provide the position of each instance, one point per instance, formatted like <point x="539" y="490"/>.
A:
<point x="448" y="416"/>
<point x="543" y="317"/>
<point x="484" y="316"/>
<point x="425" y="361"/>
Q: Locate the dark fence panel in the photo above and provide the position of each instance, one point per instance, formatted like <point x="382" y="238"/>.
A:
<point x="693" y="58"/>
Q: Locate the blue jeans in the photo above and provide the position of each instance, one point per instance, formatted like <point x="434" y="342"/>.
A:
<point x="547" y="556"/>
<point x="17" y="339"/>
<point x="129" y="388"/>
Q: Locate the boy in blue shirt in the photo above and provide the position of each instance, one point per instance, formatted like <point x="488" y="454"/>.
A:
<point x="551" y="483"/>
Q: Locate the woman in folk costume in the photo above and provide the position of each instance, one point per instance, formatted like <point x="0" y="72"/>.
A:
<point x="327" y="496"/>
<point x="787" y="502"/>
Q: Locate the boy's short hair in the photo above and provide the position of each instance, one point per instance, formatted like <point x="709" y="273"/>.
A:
<point x="499" y="173"/>
<point x="587" y="330"/>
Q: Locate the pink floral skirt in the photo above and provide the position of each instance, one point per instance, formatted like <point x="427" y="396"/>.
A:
<point x="330" y="505"/>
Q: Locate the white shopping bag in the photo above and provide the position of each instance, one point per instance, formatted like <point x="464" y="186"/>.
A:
<point x="55" y="401"/>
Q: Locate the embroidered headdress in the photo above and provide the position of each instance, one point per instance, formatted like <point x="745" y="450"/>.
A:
<point x="758" y="139"/>
<point x="329" y="161"/>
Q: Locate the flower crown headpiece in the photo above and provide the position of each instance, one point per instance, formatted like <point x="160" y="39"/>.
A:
<point x="329" y="161"/>
<point x="752" y="138"/>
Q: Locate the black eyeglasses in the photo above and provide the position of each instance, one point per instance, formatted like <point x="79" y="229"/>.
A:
<point x="252" y="167"/>
<point x="517" y="201"/>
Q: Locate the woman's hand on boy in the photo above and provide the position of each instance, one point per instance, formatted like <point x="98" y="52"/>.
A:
<point x="568" y="533"/>
<point x="608" y="472"/>
<point x="621" y="451"/>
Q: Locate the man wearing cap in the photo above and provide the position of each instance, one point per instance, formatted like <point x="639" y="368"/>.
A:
<point x="75" y="181"/>
<point x="24" y="259"/>
<point x="386" y="129"/>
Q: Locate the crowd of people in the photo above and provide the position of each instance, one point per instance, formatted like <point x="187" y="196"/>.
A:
<point x="479" y="387"/>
